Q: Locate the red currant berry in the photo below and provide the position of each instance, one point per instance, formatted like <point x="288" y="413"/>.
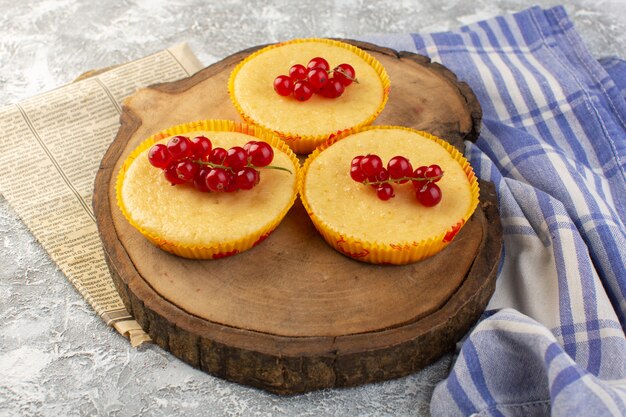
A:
<point x="218" y="155"/>
<point x="383" y="175"/>
<point x="371" y="165"/>
<point x="231" y="184"/>
<point x="344" y="73"/>
<point x="400" y="167"/>
<point x="356" y="173"/>
<point x="217" y="179"/>
<point x="318" y="62"/>
<point x="302" y="90"/>
<point x="317" y="78"/>
<point x="246" y="147"/>
<point x="261" y="154"/>
<point x="236" y="158"/>
<point x="385" y="191"/>
<point x="356" y="160"/>
<point x="199" y="180"/>
<point x="418" y="177"/>
<point x="429" y="195"/>
<point x="201" y="147"/>
<point x="419" y="172"/>
<point x="433" y="173"/>
<point x="247" y="178"/>
<point x="333" y="88"/>
<point x="158" y="156"/>
<point x="283" y="85"/>
<point x="171" y="175"/>
<point x="186" y="170"/>
<point x="179" y="148"/>
<point x="297" y="72"/>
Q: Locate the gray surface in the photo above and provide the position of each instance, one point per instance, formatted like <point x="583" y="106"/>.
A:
<point x="56" y="356"/>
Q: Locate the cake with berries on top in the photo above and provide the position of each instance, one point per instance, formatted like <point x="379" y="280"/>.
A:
<point x="306" y="90"/>
<point x="208" y="189"/>
<point x="388" y="195"/>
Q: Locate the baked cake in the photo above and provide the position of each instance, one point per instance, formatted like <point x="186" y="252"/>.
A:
<point x="194" y="224"/>
<point x="354" y="219"/>
<point x="304" y="125"/>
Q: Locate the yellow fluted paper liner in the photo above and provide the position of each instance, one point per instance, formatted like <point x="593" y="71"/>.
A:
<point x="226" y="247"/>
<point x="382" y="252"/>
<point x="299" y="142"/>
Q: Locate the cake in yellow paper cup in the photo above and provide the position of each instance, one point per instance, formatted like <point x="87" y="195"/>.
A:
<point x="227" y="202"/>
<point x="357" y="215"/>
<point x="303" y="125"/>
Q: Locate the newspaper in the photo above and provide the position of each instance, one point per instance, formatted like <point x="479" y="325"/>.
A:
<point x="50" y="150"/>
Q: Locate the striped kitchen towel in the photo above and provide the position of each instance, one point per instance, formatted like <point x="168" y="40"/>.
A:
<point x="553" y="141"/>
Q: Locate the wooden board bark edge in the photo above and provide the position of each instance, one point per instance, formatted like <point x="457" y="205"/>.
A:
<point x="291" y="365"/>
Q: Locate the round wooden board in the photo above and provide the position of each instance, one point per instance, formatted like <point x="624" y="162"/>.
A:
<point x="292" y="315"/>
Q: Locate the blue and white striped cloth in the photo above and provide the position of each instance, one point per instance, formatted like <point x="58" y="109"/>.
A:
<point x="553" y="141"/>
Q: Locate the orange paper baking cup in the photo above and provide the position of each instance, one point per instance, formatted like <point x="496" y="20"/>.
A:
<point x="226" y="247"/>
<point x="377" y="252"/>
<point x="302" y="143"/>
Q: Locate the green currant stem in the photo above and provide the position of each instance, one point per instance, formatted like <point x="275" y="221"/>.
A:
<point x="276" y="167"/>
<point x="397" y="180"/>
<point x="213" y="165"/>
<point x="342" y="72"/>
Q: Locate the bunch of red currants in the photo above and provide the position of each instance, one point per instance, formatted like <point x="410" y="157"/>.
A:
<point x="370" y="170"/>
<point x="197" y="162"/>
<point x="316" y="78"/>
